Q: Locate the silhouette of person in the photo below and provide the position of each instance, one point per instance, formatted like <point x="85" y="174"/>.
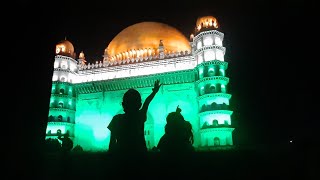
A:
<point x="127" y="130"/>
<point x="178" y="136"/>
<point x="67" y="143"/>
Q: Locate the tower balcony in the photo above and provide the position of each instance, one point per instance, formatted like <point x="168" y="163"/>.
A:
<point x="213" y="80"/>
<point x="209" y="112"/>
<point x="216" y="129"/>
<point x="223" y="49"/>
<point x="62" y="109"/>
<point x="216" y="137"/>
<point x="63" y="127"/>
<point x="213" y="107"/>
<point x="215" y="118"/>
<point x="213" y="62"/>
<point x="213" y="96"/>
<point x="59" y="95"/>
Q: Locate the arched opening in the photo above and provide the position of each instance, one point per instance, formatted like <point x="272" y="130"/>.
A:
<point x="60" y="105"/>
<point x="51" y="118"/>
<point x="68" y="119"/>
<point x="212" y="89"/>
<point x="216" y="141"/>
<point x="59" y="118"/>
<point x="61" y="91"/>
<point x="59" y="131"/>
<point x="215" y="123"/>
<point x="205" y="125"/>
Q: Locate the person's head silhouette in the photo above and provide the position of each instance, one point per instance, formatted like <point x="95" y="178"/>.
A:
<point x="131" y="101"/>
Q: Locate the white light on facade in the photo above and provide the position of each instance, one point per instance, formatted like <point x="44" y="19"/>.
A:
<point x="207" y="41"/>
<point x="209" y="55"/>
<point x="199" y="44"/>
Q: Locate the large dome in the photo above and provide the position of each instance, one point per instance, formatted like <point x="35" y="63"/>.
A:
<point x="145" y="37"/>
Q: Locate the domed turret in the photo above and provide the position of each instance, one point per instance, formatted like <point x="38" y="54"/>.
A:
<point x="65" y="48"/>
<point x="206" y="23"/>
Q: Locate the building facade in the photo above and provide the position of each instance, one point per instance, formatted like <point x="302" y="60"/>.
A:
<point x="85" y="96"/>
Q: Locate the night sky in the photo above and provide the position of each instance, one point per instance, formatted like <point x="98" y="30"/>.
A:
<point x="264" y="75"/>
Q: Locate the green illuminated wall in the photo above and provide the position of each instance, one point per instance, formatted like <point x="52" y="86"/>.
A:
<point x="95" y="111"/>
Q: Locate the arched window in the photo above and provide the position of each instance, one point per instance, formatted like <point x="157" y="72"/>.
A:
<point x="63" y="79"/>
<point x="203" y="108"/>
<point x="59" y="118"/>
<point x="215" y="123"/>
<point x="212" y="89"/>
<point x="216" y="141"/>
<point x="59" y="131"/>
<point x="205" y="125"/>
<point x="61" y="91"/>
<point x="211" y="72"/>
<point x="60" y="104"/>
<point x="51" y="118"/>
<point x="68" y="119"/>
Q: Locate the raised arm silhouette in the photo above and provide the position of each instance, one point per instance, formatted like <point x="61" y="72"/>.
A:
<point x="127" y="130"/>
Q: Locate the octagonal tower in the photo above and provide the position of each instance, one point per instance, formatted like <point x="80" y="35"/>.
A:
<point x="211" y="85"/>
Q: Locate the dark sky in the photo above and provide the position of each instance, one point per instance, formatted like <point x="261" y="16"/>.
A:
<point x="258" y="37"/>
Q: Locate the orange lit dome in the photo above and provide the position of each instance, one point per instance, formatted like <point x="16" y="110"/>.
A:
<point x="143" y="39"/>
<point x="65" y="47"/>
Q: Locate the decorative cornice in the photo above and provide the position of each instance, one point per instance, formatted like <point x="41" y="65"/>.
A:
<point x="66" y="58"/>
<point x="123" y="66"/>
<point x="210" y="47"/>
<point x="213" y="62"/>
<point x="61" y="123"/>
<point x="213" y="78"/>
<point x="60" y="82"/>
<point x="62" y="109"/>
<point x="185" y="76"/>
<point x="62" y="96"/>
<point x="208" y="32"/>
<point x="64" y="70"/>
<point x="212" y="95"/>
<point x="215" y="129"/>
<point x="205" y="113"/>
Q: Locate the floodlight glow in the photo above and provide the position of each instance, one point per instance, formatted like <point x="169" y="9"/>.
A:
<point x="85" y="97"/>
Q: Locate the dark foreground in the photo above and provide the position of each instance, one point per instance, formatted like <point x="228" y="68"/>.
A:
<point x="255" y="163"/>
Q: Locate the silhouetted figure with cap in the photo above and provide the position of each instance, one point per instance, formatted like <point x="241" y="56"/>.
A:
<point x="178" y="137"/>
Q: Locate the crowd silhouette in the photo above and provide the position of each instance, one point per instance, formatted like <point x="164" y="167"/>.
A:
<point x="127" y="130"/>
<point x="127" y="141"/>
